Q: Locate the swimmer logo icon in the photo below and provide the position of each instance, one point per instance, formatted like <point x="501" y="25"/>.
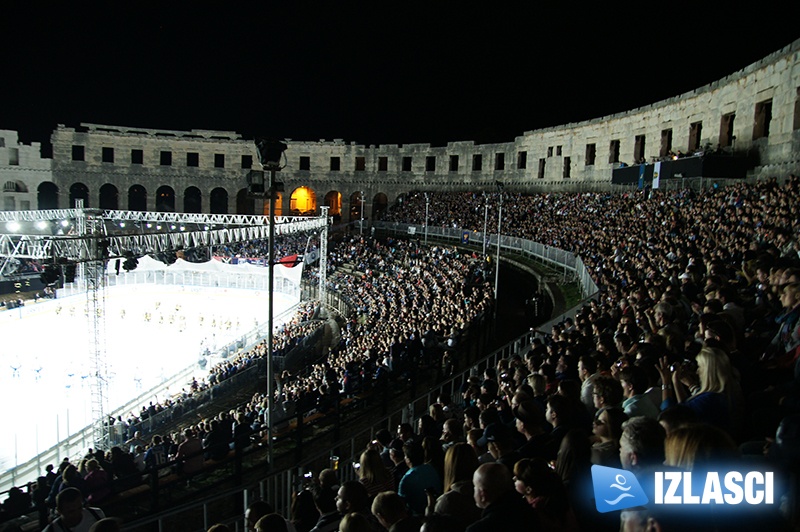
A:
<point x="616" y="489"/>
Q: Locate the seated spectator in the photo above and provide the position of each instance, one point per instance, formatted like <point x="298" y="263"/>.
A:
<point x="304" y="511"/>
<point x="352" y="498"/>
<point x="389" y="509"/>
<point x="641" y="445"/>
<point x="503" y="508"/>
<point x="530" y="422"/>
<point x="373" y="475"/>
<point x="72" y="515"/>
<point x="561" y="416"/>
<point x="676" y="416"/>
<point x="271" y="523"/>
<point x="699" y="446"/>
<point x="543" y="490"/>
<point x="419" y="477"/>
<point x="255" y="511"/>
<point x="457" y="500"/>
<point x="705" y="390"/>
<point x="329" y="516"/>
<point x="607" y="432"/>
<point x="633" y="380"/>
<point x="17" y="503"/>
<point x="501" y="445"/>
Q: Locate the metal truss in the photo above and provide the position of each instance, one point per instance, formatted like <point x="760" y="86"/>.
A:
<point x="147" y="235"/>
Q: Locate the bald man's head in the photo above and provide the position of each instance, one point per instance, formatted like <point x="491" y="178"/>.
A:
<point x="491" y="482"/>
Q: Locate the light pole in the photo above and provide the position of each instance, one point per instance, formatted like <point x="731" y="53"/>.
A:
<point x="361" y="221"/>
<point x="427" y="206"/>
<point x="485" y="221"/>
<point x="270" y="152"/>
<point x="499" y="222"/>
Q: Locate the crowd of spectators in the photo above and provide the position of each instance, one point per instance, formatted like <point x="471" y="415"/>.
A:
<point x="688" y="355"/>
<point x="687" y="360"/>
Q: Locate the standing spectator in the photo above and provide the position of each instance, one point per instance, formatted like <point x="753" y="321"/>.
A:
<point x="190" y="454"/>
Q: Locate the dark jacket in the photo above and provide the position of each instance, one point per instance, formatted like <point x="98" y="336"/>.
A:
<point x="509" y="512"/>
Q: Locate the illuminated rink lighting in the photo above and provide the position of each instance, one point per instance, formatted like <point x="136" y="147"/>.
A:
<point x="45" y="365"/>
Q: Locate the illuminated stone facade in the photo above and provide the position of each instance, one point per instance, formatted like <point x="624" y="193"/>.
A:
<point x="754" y="111"/>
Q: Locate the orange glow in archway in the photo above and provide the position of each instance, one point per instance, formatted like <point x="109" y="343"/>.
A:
<point x="303" y="201"/>
<point x="278" y="205"/>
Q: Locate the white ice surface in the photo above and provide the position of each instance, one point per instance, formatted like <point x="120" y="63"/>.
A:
<point x="46" y="361"/>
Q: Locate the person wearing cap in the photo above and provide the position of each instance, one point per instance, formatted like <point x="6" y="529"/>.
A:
<point x="398" y="458"/>
<point x="530" y="422"/>
<point x="500" y="442"/>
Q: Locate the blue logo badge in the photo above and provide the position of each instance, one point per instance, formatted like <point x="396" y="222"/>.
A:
<point x="616" y="489"/>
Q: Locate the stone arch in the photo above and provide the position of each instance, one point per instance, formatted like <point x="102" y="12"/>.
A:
<point x="219" y="201"/>
<point x="193" y="200"/>
<point x="109" y="197"/>
<point x="380" y="202"/>
<point x="137" y="198"/>
<point x="357" y="199"/>
<point x="333" y="199"/>
<point x="245" y="204"/>
<point x="14" y="186"/>
<point x="165" y="199"/>
<point x="303" y="202"/>
<point x="47" y="195"/>
<point x="78" y="191"/>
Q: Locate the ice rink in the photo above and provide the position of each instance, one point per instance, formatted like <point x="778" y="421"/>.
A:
<point x="152" y="332"/>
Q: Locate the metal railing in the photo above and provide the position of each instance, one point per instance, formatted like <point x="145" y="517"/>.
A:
<point x="558" y="259"/>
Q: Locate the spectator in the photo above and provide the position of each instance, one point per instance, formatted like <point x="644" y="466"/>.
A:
<point x="373" y="475"/>
<point x="419" y="478"/>
<point x="389" y="508"/>
<point x="641" y="444"/>
<point x="502" y="507"/>
<point x="543" y="490"/>
<point x="607" y="432"/>
<point x="72" y="515"/>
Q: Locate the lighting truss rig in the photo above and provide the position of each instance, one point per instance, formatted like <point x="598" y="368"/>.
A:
<point x="90" y="237"/>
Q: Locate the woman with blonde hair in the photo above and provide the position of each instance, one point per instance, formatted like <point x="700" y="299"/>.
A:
<point x="460" y="463"/>
<point x="710" y="391"/>
<point x="696" y="445"/>
<point x="373" y="474"/>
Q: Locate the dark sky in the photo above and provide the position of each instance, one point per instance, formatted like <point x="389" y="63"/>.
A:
<point x="409" y="73"/>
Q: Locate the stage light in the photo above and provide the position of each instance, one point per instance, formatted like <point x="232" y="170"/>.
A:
<point x="64" y="223"/>
<point x="41" y="224"/>
<point x="13" y="226"/>
<point x="122" y="224"/>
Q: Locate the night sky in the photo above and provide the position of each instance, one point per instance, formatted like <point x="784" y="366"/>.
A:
<point x="409" y="73"/>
